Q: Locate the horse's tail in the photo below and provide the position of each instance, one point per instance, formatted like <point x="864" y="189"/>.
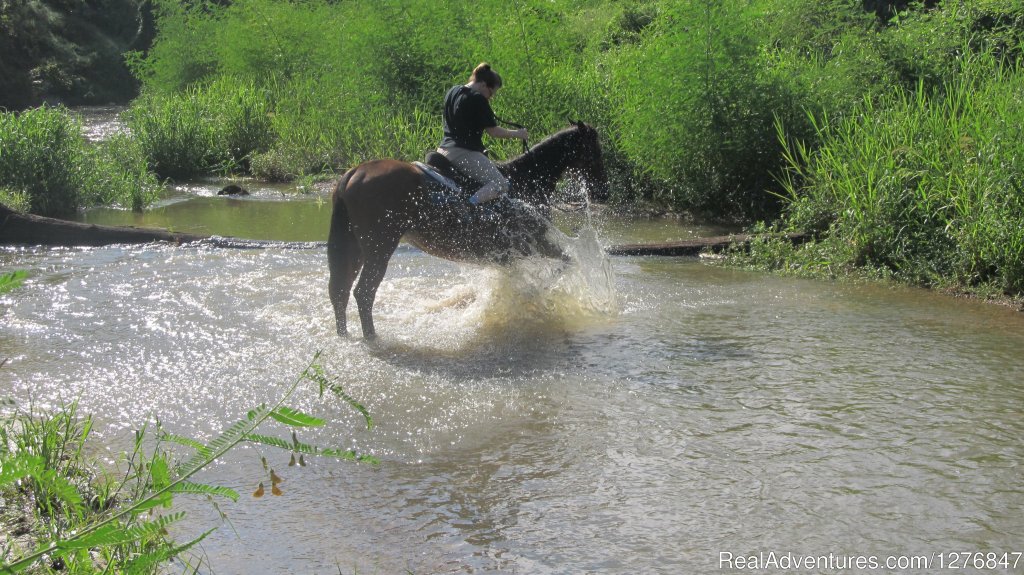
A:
<point x="344" y="257"/>
<point x="340" y="234"/>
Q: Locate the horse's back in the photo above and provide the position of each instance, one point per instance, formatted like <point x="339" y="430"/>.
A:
<point x="379" y="189"/>
<point x="381" y="173"/>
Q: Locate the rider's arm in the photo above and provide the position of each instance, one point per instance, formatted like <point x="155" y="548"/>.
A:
<point x="505" y="133"/>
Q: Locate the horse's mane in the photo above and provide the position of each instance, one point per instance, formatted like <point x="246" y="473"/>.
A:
<point x="546" y="147"/>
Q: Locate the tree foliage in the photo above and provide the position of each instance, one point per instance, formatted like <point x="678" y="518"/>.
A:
<point x="68" y="50"/>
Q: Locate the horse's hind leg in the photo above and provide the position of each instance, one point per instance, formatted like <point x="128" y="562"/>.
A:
<point x="344" y="262"/>
<point x="375" y="265"/>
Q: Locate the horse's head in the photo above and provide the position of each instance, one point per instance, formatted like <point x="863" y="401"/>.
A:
<point x="588" y="162"/>
<point x="574" y="151"/>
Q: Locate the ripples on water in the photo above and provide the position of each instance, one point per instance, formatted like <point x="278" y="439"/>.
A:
<point x="626" y="416"/>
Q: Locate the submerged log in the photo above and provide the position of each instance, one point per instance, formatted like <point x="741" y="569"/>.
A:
<point x="17" y="228"/>
<point x="694" y="247"/>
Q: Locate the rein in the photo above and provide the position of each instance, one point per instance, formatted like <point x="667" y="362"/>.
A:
<point x="526" y="146"/>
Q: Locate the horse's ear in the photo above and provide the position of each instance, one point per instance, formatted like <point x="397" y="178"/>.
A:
<point x="573" y="122"/>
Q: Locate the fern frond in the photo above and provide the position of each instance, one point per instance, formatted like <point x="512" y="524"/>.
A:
<point x="159" y="473"/>
<point x="299" y="447"/>
<point x="295" y="418"/>
<point x="114" y="534"/>
<point x="229" y="438"/>
<point x="62" y="489"/>
<point x="111" y="534"/>
<point x="145" y="563"/>
<point x="186" y="442"/>
<point x="203" y="489"/>
<point x="269" y="440"/>
<point x="338" y="391"/>
<point x="20" y="466"/>
<point x="157" y="500"/>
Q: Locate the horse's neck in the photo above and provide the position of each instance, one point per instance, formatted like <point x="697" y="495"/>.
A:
<point x="533" y="176"/>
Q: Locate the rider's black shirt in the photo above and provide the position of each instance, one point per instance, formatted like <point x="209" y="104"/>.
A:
<point x="467" y="113"/>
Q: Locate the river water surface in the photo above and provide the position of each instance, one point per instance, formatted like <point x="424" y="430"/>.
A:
<point x="632" y="415"/>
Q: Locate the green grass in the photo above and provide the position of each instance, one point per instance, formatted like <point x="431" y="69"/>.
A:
<point x="11" y="280"/>
<point x="216" y="127"/>
<point x="42" y="155"/>
<point x="898" y="136"/>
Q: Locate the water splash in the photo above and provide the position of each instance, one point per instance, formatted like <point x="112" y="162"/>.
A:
<point x="509" y="308"/>
<point x="540" y="294"/>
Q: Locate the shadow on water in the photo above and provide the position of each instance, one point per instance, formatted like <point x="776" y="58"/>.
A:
<point x="489" y="355"/>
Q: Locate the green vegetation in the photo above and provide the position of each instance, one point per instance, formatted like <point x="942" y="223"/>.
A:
<point x="11" y="280"/>
<point x="69" y="51"/>
<point x="924" y="187"/>
<point x="195" y="132"/>
<point x="79" y="518"/>
<point x="48" y="168"/>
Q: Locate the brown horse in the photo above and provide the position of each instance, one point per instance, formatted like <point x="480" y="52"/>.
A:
<point x="376" y="204"/>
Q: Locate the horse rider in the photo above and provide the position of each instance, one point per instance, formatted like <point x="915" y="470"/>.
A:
<point x="467" y="116"/>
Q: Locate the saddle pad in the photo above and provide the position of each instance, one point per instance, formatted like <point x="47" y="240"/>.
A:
<point x="438" y="177"/>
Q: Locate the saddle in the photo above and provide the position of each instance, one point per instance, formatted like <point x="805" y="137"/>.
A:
<point x="445" y="173"/>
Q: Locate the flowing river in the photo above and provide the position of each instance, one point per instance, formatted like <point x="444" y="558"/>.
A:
<point x="629" y="415"/>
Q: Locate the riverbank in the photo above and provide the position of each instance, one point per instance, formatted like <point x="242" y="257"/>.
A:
<point x="51" y="489"/>
<point x="828" y="259"/>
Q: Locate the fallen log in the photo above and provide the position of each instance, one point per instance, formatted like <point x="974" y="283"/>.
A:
<point x="694" y="247"/>
<point x="18" y="228"/>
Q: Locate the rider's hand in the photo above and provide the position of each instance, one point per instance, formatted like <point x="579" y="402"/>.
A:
<point x="521" y="134"/>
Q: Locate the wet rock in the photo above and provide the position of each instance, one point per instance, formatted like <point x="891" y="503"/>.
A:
<point x="233" y="190"/>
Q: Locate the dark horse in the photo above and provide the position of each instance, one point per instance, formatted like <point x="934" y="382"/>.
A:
<point x="377" y="203"/>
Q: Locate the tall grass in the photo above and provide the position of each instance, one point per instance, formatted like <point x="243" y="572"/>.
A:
<point x="345" y="82"/>
<point x="926" y="185"/>
<point x="207" y="128"/>
<point x="119" y="175"/>
<point x="48" y="168"/>
<point x="42" y="155"/>
<point x="686" y="92"/>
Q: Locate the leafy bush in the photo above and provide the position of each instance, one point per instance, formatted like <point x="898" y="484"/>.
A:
<point x="177" y="134"/>
<point x="119" y="175"/>
<point x="696" y="111"/>
<point x="48" y="168"/>
<point x="686" y="93"/>
<point x="926" y="185"/>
